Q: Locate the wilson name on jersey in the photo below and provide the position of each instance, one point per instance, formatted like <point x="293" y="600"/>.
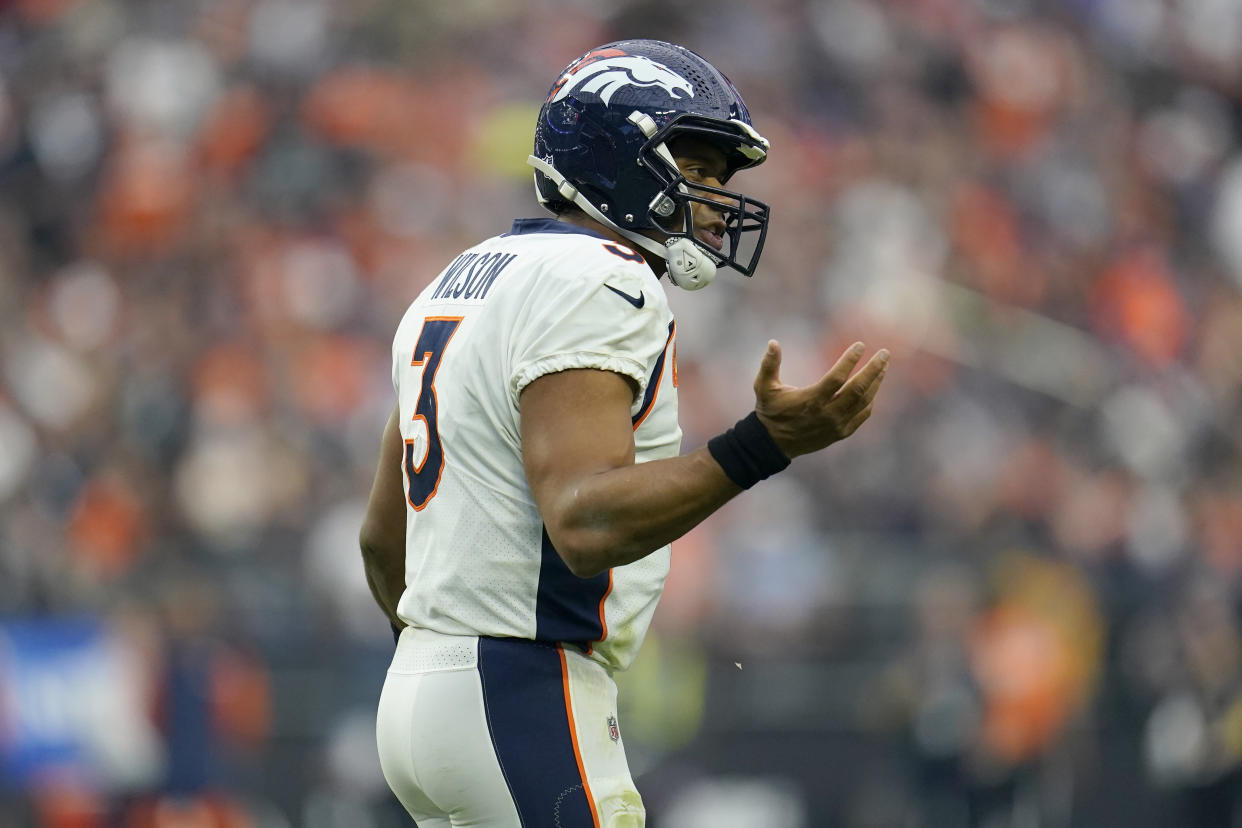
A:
<point x="543" y="298"/>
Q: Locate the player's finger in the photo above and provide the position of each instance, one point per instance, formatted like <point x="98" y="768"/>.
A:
<point x="857" y="420"/>
<point x="832" y="381"/>
<point x="769" y="374"/>
<point x="861" y="388"/>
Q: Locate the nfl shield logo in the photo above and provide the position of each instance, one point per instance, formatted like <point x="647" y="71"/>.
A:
<point x="614" y="732"/>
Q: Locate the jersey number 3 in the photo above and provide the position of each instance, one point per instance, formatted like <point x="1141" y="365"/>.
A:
<point x="423" y="478"/>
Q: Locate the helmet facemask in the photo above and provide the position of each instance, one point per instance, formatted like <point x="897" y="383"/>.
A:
<point x="671" y="210"/>
<point x="746" y="219"/>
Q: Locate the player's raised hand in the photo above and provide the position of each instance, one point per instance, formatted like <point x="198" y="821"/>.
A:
<point x="803" y="420"/>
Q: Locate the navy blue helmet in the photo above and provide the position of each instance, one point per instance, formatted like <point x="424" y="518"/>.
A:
<point x="601" y="143"/>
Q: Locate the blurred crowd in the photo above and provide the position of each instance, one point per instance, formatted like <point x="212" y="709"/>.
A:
<point x="1011" y="600"/>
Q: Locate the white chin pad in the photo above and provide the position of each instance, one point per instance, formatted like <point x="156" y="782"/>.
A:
<point x="689" y="267"/>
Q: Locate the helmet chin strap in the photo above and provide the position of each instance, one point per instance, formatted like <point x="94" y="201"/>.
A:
<point x="689" y="267"/>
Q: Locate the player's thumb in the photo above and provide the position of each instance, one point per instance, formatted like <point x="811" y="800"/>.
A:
<point x="769" y="368"/>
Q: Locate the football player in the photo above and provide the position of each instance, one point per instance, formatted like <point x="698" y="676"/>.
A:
<point x="530" y="478"/>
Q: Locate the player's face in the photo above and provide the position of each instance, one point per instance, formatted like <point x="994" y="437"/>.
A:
<point x="702" y="162"/>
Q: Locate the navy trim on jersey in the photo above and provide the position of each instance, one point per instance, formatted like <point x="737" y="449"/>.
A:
<point x="524" y="699"/>
<point x="566" y="606"/>
<point x="522" y="227"/>
<point x="653" y="383"/>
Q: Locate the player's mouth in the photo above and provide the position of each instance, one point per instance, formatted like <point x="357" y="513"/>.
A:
<point x="710" y="229"/>
<point x="711" y="239"/>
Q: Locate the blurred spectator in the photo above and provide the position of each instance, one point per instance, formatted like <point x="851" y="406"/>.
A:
<point x="212" y="216"/>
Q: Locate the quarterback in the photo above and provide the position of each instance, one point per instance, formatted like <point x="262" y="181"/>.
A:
<point x="531" y="475"/>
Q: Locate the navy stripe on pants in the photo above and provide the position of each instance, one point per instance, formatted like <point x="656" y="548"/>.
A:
<point x="524" y="696"/>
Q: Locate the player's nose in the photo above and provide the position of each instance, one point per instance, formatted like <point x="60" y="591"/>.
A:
<point x="710" y="214"/>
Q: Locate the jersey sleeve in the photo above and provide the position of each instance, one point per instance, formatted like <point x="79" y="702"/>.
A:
<point x="614" y="323"/>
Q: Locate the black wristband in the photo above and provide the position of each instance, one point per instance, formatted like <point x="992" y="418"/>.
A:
<point x="747" y="453"/>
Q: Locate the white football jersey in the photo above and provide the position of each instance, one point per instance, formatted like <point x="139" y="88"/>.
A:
<point x="545" y="297"/>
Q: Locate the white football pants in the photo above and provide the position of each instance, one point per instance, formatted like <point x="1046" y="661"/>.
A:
<point x="503" y="733"/>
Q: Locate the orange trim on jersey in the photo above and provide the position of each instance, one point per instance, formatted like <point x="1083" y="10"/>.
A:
<point x="573" y="733"/>
<point x="674" y="355"/>
<point x="416" y="361"/>
<point x="603" y="622"/>
<point x="672" y="333"/>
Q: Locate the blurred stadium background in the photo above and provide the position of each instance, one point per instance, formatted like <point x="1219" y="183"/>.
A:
<point x="1011" y="601"/>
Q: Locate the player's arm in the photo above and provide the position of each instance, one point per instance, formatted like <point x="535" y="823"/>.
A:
<point x="601" y="509"/>
<point x="383" y="529"/>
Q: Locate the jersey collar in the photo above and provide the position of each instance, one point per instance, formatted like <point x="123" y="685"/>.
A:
<point x="526" y="226"/>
